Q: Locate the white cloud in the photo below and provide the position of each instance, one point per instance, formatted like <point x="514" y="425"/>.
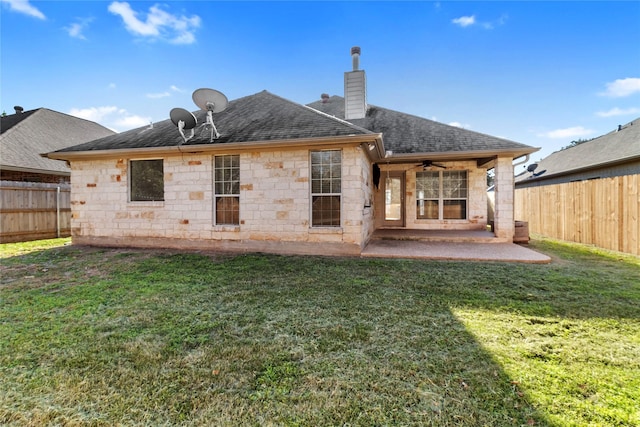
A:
<point x="158" y="23"/>
<point x="618" y="112"/>
<point x="158" y="95"/>
<point x="111" y="116"/>
<point x="77" y="28"/>
<point x="112" y="85"/>
<point x="460" y="125"/>
<point x="95" y="114"/>
<point x="23" y="6"/>
<point x="132" y="122"/>
<point x="465" y="21"/>
<point x="567" y="133"/>
<point x="622" y="87"/>
<point x="165" y="94"/>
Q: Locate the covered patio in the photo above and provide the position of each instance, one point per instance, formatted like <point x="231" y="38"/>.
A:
<point x="455" y="245"/>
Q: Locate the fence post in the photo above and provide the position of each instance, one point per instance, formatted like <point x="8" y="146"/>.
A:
<point x="58" y="210"/>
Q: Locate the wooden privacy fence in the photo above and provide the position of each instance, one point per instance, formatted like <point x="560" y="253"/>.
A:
<point x="33" y="210"/>
<point x="602" y="212"/>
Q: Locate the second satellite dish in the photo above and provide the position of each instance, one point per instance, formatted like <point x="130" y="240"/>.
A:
<point x="184" y="120"/>
<point x="211" y="101"/>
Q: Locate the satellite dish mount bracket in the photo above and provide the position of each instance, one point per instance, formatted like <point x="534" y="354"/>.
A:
<point x="209" y="122"/>
<point x="181" y="125"/>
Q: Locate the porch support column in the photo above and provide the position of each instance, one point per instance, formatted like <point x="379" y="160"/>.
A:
<point x="504" y="224"/>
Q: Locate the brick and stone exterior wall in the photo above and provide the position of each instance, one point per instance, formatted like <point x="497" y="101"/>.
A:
<point x="274" y="205"/>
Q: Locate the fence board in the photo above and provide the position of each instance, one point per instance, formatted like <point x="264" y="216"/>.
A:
<point x="31" y="211"/>
<point x="602" y="212"/>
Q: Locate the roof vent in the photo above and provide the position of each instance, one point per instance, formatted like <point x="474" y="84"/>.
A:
<point x="619" y="128"/>
<point x="18" y="109"/>
<point x="325" y="98"/>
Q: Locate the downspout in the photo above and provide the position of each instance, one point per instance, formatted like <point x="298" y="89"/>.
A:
<point x="526" y="159"/>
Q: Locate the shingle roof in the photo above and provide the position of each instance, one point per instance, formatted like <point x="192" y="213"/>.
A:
<point x="616" y="147"/>
<point x="405" y="133"/>
<point x="259" y="117"/>
<point x="26" y="135"/>
<point x="9" y="121"/>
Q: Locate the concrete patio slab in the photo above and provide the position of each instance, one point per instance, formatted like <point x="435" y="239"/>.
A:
<point x="417" y="249"/>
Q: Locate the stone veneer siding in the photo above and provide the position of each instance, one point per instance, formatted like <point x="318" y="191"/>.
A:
<point x="274" y="205"/>
<point x="504" y="224"/>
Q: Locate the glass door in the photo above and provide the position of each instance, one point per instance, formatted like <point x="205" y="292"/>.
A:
<point x="394" y="199"/>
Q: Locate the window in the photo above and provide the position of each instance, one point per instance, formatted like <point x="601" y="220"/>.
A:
<point x="441" y="195"/>
<point x="146" y="180"/>
<point x="326" y="188"/>
<point x="227" y="190"/>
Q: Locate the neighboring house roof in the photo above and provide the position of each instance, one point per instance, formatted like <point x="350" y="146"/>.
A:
<point x="24" y="136"/>
<point x="11" y="120"/>
<point x="408" y="134"/>
<point x="615" y="148"/>
<point x="255" y="118"/>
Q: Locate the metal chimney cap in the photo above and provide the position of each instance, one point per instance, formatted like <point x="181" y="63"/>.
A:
<point x="355" y="50"/>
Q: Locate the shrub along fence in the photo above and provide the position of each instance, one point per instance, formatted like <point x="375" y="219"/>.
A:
<point x="34" y="210"/>
<point x="603" y="212"/>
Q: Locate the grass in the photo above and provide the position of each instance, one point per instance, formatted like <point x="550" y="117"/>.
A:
<point x="102" y="337"/>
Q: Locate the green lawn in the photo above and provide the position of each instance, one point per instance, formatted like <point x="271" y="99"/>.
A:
<point x="103" y="337"/>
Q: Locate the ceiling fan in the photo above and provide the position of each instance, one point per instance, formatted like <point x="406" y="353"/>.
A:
<point x="428" y="163"/>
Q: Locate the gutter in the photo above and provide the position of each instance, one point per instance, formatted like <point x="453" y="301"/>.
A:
<point x="526" y="159"/>
<point x="460" y="155"/>
<point x="213" y="148"/>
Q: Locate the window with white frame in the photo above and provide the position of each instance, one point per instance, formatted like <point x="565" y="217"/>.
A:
<point x="146" y="180"/>
<point x="441" y="195"/>
<point x="326" y="188"/>
<point x="226" y="189"/>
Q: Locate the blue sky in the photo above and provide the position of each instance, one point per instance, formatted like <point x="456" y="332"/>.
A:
<point x="541" y="73"/>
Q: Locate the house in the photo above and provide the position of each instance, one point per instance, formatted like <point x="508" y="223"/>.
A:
<point x="26" y="134"/>
<point x="616" y="153"/>
<point x="288" y="178"/>
<point x="587" y="193"/>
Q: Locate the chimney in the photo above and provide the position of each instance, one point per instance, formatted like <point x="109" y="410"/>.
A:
<point x="18" y="109"/>
<point x="355" y="93"/>
<point x="355" y="57"/>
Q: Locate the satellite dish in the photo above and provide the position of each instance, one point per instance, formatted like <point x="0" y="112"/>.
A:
<point x="211" y="101"/>
<point x="532" y="167"/>
<point x="184" y="120"/>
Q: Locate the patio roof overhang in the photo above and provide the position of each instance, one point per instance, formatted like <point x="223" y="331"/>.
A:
<point x="483" y="158"/>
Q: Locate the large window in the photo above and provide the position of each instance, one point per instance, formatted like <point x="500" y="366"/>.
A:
<point x="326" y="188"/>
<point x="146" y="179"/>
<point x="227" y="190"/>
<point x="441" y="195"/>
